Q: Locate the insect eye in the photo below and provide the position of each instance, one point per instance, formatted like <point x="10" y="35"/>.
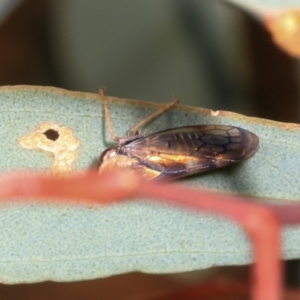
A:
<point x="107" y="155"/>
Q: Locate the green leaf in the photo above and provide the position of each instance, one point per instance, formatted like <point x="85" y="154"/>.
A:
<point x="64" y="242"/>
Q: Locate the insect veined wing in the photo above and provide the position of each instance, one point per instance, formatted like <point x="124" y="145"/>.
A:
<point x="183" y="151"/>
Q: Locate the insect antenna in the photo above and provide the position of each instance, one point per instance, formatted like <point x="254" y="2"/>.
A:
<point x="107" y="116"/>
<point x="135" y="129"/>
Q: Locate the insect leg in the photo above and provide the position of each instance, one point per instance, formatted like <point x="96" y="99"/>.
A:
<point x="135" y="128"/>
<point x="107" y="116"/>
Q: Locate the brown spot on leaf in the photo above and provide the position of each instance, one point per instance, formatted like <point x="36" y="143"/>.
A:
<point x="51" y="134"/>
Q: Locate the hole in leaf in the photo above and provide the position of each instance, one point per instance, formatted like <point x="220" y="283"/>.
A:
<point x="51" y="134"/>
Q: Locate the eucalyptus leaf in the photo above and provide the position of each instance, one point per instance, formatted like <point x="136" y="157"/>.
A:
<point x="259" y="7"/>
<point x="65" y="242"/>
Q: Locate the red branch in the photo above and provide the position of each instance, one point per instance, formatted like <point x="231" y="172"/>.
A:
<point x="258" y="221"/>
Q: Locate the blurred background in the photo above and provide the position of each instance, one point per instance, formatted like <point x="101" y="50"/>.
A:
<point x="208" y="53"/>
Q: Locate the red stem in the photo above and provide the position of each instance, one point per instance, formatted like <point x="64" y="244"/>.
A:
<point x="260" y="223"/>
<point x="287" y="214"/>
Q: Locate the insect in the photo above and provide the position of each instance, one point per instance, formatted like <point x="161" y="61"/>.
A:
<point x="176" y="152"/>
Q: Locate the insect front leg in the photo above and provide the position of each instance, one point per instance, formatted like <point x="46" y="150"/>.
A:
<point x="165" y="108"/>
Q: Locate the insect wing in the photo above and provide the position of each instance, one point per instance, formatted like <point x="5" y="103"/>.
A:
<point x="183" y="151"/>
